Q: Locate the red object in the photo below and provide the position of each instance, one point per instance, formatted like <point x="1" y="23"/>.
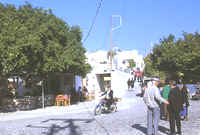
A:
<point x="140" y="74"/>
<point x="62" y="97"/>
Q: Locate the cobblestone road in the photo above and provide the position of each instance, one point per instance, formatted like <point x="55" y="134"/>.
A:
<point x="129" y="120"/>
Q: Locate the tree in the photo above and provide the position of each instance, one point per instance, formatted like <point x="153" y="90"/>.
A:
<point x="34" y="43"/>
<point x="131" y="63"/>
<point x="179" y="59"/>
<point x="188" y="61"/>
<point x="150" y="70"/>
<point x="111" y="53"/>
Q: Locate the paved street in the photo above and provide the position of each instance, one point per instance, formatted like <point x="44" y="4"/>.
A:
<point x="79" y="120"/>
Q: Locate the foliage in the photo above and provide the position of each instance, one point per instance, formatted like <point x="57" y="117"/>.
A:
<point x="111" y="53"/>
<point x="179" y="59"/>
<point x="34" y="42"/>
<point x="149" y="70"/>
<point x="132" y="63"/>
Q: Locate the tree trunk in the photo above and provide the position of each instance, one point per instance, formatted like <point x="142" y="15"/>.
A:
<point x="3" y="89"/>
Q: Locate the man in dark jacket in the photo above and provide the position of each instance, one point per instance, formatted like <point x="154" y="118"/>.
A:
<point x="184" y="91"/>
<point x="108" y="96"/>
<point x="175" y="106"/>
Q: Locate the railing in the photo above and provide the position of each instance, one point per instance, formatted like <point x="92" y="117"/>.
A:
<point x="27" y="103"/>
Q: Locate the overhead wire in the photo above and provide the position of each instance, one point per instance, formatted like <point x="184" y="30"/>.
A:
<point x="94" y="20"/>
<point x="104" y="45"/>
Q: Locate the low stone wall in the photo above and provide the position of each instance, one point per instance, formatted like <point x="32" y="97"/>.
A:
<point x="27" y="103"/>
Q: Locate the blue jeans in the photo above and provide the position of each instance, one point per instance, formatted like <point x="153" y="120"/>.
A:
<point x="153" y="117"/>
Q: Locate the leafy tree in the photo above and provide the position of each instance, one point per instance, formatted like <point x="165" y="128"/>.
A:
<point x="150" y="70"/>
<point x="111" y="53"/>
<point x="132" y="63"/>
<point x="179" y="59"/>
<point x="34" y="43"/>
<point x="188" y="62"/>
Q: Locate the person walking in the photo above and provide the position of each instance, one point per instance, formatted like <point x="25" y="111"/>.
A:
<point x="129" y="83"/>
<point x="184" y="91"/>
<point x="175" y="106"/>
<point x="165" y="94"/>
<point x="132" y="83"/>
<point x="80" y="93"/>
<point x="152" y="98"/>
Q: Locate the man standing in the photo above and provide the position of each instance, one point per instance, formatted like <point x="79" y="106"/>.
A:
<point x="129" y="83"/>
<point x="176" y="105"/>
<point x="152" y="98"/>
<point x="184" y="91"/>
<point x="165" y="94"/>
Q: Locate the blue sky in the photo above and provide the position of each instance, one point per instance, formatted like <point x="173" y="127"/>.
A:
<point x="144" y="22"/>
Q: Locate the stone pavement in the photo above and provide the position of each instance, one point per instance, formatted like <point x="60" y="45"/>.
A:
<point x="130" y="119"/>
<point x="189" y="127"/>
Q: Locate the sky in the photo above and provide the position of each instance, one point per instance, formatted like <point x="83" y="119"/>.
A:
<point x="144" y="22"/>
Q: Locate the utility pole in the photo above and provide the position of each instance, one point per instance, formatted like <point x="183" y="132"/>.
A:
<point x="111" y="24"/>
<point x="112" y="29"/>
<point x="43" y="98"/>
<point x="41" y="83"/>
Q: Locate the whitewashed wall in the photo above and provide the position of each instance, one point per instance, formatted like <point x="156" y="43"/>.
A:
<point x="119" y="82"/>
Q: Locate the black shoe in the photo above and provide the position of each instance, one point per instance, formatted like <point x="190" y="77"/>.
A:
<point x="163" y="118"/>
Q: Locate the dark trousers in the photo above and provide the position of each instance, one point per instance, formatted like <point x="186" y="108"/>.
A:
<point x="162" y="113"/>
<point x="166" y="113"/>
<point x="174" y="118"/>
<point x="109" y="102"/>
<point x="132" y="85"/>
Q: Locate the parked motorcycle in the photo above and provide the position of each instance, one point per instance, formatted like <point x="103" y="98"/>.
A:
<point x="103" y="107"/>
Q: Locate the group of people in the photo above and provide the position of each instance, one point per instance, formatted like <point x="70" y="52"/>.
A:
<point x="138" y="75"/>
<point x="82" y="93"/>
<point x="130" y="83"/>
<point x="171" y="99"/>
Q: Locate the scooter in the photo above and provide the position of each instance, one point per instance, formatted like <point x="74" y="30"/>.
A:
<point x="103" y="107"/>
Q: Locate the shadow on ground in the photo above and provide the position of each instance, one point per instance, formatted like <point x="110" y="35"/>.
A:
<point x="54" y="128"/>
<point x="144" y="129"/>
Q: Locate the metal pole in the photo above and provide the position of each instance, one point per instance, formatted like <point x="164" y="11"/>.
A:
<point x="111" y="45"/>
<point x="111" y="53"/>
<point x="42" y="94"/>
<point x="112" y="29"/>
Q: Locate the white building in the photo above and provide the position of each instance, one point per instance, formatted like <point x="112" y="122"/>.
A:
<point x="101" y="74"/>
<point x="121" y="59"/>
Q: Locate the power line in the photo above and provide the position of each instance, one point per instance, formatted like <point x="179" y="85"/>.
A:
<point x="93" y="21"/>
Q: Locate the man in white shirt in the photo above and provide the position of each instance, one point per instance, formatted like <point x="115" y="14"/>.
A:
<point x="152" y="98"/>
